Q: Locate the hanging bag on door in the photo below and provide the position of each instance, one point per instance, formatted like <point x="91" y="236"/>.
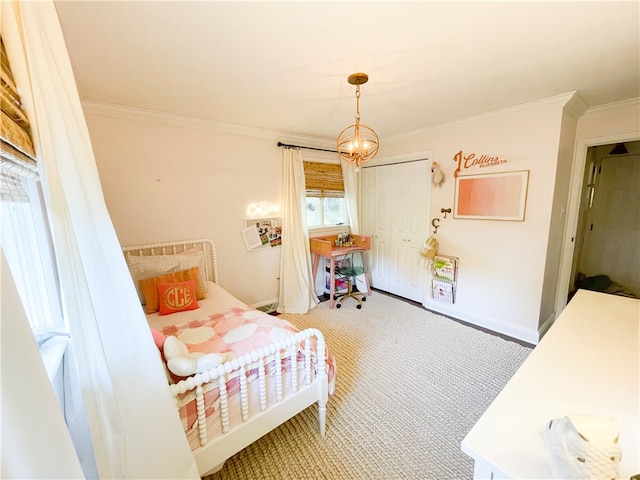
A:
<point x="429" y="248"/>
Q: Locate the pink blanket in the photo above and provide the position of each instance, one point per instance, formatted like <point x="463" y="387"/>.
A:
<point x="234" y="332"/>
<point x="238" y="330"/>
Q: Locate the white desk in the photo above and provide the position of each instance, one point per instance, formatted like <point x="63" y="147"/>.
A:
<point x="588" y="362"/>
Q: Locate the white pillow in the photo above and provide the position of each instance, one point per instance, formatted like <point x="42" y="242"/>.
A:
<point x="142" y="267"/>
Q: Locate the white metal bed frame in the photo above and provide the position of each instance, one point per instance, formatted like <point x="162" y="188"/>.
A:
<point x="212" y="453"/>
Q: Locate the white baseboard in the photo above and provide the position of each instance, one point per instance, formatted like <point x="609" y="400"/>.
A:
<point x="546" y="325"/>
<point x="518" y="332"/>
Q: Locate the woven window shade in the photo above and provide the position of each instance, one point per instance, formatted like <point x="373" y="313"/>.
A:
<point x="17" y="155"/>
<point x="11" y="189"/>
<point x="16" y="145"/>
<point x="323" y="180"/>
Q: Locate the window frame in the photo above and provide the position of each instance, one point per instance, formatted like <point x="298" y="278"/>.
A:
<point x="324" y="224"/>
<point x="324" y="181"/>
<point x="33" y="266"/>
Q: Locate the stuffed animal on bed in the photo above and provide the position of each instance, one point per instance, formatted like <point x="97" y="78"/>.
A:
<point x="182" y="363"/>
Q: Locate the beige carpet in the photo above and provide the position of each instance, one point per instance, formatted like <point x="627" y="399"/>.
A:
<point x="411" y="384"/>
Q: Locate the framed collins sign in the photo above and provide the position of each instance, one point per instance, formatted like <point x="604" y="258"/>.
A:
<point x="492" y="196"/>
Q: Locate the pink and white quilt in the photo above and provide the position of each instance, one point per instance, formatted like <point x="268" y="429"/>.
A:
<point x="234" y="333"/>
<point x="238" y="330"/>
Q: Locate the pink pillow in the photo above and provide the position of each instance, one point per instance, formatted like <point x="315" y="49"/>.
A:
<point x="158" y="338"/>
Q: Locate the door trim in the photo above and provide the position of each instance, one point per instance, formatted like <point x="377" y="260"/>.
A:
<point x="573" y="210"/>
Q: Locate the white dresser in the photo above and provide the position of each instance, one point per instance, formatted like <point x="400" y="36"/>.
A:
<point x="587" y="363"/>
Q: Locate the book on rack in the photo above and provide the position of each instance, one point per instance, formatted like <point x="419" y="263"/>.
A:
<point x="442" y="291"/>
<point x="445" y="268"/>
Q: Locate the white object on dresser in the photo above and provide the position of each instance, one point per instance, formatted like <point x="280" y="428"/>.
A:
<point x="587" y="363"/>
<point x="583" y="446"/>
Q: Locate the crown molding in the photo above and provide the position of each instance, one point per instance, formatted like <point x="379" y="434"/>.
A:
<point x="185" y="121"/>
<point x="576" y="106"/>
<point x="611" y="107"/>
<point x="559" y="100"/>
<point x="573" y="102"/>
<point x="138" y="114"/>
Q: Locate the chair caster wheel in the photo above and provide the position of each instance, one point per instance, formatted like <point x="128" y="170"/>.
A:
<point x="364" y="299"/>
<point x="358" y="307"/>
<point x="338" y="306"/>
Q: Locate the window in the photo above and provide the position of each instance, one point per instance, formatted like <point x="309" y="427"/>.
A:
<point x="325" y="211"/>
<point x="24" y="231"/>
<point x="26" y="243"/>
<point x="326" y="205"/>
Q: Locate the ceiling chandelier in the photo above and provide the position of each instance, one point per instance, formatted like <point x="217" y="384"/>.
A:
<point x="357" y="143"/>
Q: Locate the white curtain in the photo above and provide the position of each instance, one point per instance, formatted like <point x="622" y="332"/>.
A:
<point x="297" y="293"/>
<point x="135" y="430"/>
<point x="35" y="440"/>
<point x="351" y="191"/>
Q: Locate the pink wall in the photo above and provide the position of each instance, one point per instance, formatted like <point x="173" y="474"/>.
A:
<point x="165" y="179"/>
<point x="502" y="263"/>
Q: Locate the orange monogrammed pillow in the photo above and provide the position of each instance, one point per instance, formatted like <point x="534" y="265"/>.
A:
<point x="150" y="289"/>
<point x="177" y="297"/>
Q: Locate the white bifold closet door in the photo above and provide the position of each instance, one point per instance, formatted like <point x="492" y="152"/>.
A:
<point x="395" y="214"/>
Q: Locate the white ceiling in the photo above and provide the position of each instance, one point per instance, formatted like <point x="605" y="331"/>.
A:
<point x="283" y="66"/>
